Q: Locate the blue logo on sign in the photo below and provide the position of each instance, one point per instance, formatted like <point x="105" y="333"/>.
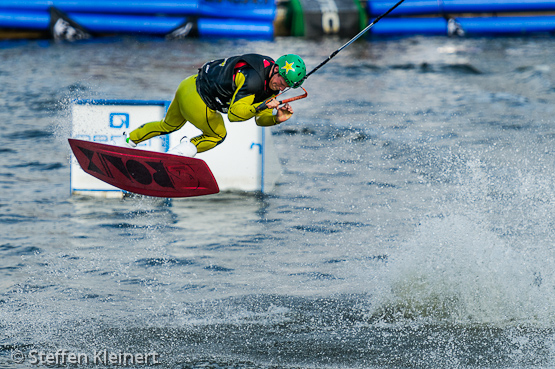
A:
<point x="259" y="147"/>
<point x="119" y="120"/>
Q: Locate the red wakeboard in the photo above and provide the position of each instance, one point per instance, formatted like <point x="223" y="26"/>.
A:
<point x="145" y="172"/>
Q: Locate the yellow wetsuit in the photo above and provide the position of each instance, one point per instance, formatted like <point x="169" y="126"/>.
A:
<point x="189" y="106"/>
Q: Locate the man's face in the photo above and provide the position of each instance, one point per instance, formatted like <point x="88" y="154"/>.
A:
<point x="277" y="82"/>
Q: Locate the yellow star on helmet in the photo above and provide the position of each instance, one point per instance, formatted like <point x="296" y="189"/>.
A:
<point x="288" y="66"/>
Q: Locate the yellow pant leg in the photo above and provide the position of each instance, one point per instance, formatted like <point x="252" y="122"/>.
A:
<point x="209" y="121"/>
<point x="187" y="106"/>
<point x="173" y="121"/>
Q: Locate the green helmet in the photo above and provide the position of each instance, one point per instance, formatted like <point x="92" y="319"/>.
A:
<point x="292" y="69"/>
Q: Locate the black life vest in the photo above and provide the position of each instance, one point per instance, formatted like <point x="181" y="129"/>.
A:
<point x="216" y="79"/>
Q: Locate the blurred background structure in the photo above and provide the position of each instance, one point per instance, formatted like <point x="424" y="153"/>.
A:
<point x="265" y="19"/>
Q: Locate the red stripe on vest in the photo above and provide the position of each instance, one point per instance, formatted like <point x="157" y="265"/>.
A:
<point x="237" y="66"/>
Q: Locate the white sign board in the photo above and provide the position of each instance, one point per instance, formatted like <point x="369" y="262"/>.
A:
<point x="245" y="161"/>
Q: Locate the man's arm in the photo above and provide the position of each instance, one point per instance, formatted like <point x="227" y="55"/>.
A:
<point x="242" y="106"/>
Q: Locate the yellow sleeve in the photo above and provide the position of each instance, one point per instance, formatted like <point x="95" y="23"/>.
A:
<point x="265" y="118"/>
<point x="245" y="108"/>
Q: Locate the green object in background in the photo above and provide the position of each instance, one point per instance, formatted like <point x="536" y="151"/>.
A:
<point x="296" y="16"/>
<point x="363" y="21"/>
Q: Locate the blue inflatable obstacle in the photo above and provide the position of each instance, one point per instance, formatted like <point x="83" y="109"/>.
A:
<point x="207" y="18"/>
<point x="28" y="20"/>
<point x="408" y="7"/>
<point x="257" y="10"/>
<point x="206" y="27"/>
<point x="506" y="25"/>
<point x="444" y="19"/>
<point x="187" y="7"/>
<point x="410" y="26"/>
<point x="464" y="26"/>
<point x="421" y="7"/>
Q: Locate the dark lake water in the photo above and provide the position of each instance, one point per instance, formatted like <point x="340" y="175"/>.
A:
<point x="412" y="226"/>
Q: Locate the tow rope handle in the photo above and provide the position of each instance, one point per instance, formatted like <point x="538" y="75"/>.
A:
<point x="263" y="106"/>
